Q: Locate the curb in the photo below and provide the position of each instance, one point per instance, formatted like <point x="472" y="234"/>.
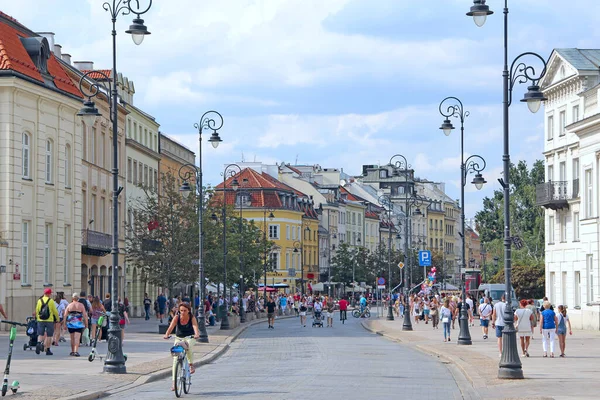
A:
<point x="163" y="373"/>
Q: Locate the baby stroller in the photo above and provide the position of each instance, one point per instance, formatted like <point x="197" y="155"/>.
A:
<point x="318" y="319"/>
<point x="31" y="333"/>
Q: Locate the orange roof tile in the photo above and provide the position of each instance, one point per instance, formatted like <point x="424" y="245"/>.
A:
<point x="97" y="74"/>
<point x="14" y="57"/>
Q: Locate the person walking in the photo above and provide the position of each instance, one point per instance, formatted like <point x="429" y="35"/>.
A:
<point x="470" y="303"/>
<point x="563" y="322"/>
<point x="536" y="315"/>
<point x="97" y="311"/>
<point x="62" y="304"/>
<point x="434" y="313"/>
<point x="123" y="318"/>
<point x="329" y="309"/>
<point x="303" y="309"/>
<point x="76" y="320"/>
<point x="485" y="312"/>
<point x="446" y="316"/>
<point x="147" y="304"/>
<point x="46" y="315"/>
<point x="271" y="312"/>
<point x="162" y="306"/>
<point x="185" y="325"/>
<point x="548" y="328"/>
<point x="524" y="320"/>
<point x="498" y="321"/>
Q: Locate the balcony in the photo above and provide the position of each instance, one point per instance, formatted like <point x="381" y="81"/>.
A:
<point x="554" y="195"/>
<point x="95" y="243"/>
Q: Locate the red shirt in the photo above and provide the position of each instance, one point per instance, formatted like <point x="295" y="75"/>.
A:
<point x="343" y="305"/>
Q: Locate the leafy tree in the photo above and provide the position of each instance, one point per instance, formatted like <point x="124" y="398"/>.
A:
<point x="528" y="281"/>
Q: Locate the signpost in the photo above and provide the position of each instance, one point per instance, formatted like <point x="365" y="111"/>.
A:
<point x="400" y="265"/>
<point x="425" y="258"/>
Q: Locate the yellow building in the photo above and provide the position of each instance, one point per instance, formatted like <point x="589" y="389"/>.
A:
<point x="435" y="224"/>
<point x="293" y="227"/>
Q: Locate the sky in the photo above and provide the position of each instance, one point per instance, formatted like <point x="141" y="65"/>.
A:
<point x="339" y="83"/>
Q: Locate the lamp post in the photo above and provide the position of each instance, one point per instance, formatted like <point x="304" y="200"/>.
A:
<point x="241" y="229"/>
<point x="271" y="216"/>
<point x="386" y="202"/>
<point x="331" y="247"/>
<point x="483" y="259"/>
<point x="453" y="107"/>
<point x="114" y="362"/>
<point x="299" y="249"/>
<point x="510" y="366"/>
<point x="210" y="120"/>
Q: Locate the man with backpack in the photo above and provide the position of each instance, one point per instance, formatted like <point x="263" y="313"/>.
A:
<point x="46" y="315"/>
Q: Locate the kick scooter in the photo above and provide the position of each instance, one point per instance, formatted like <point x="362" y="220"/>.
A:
<point x="13" y="335"/>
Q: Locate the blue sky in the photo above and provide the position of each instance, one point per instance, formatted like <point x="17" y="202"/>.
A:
<point x="340" y="83"/>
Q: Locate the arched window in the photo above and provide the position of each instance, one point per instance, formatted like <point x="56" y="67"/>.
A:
<point x="49" y="158"/>
<point x="68" y="166"/>
<point x="26" y="156"/>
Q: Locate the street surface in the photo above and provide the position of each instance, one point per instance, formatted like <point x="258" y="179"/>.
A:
<point x="292" y="362"/>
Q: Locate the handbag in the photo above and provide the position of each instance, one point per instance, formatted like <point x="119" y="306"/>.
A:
<point x="445" y="320"/>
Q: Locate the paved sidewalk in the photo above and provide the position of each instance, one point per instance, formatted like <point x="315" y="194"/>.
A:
<point x="63" y="377"/>
<point x="545" y="378"/>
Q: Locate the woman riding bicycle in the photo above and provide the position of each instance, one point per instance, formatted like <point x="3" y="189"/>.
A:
<point x="185" y="325"/>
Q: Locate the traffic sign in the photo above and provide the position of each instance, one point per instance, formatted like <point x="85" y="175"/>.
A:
<point x="425" y="258"/>
<point x="381" y="281"/>
<point x="380" y="286"/>
<point x="401" y="265"/>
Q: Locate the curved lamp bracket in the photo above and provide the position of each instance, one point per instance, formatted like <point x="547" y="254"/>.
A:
<point x="520" y="72"/>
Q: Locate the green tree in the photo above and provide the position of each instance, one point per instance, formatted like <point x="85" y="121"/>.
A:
<point x="528" y="281"/>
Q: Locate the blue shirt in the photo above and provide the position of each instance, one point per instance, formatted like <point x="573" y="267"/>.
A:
<point x="548" y="319"/>
<point x="162" y="302"/>
<point x="363" y="301"/>
<point x="283" y="302"/>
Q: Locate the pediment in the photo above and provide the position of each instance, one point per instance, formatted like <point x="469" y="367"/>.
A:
<point x="558" y="70"/>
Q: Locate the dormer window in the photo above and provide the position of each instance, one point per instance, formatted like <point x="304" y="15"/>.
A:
<point x="38" y="50"/>
<point x="383" y="173"/>
<point x="243" y="199"/>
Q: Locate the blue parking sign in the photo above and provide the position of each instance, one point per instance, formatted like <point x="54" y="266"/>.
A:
<point x="425" y="258"/>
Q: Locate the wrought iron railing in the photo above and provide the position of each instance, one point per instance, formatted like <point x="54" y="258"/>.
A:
<point x="548" y="192"/>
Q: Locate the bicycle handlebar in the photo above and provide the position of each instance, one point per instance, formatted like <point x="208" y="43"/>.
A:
<point x="13" y="323"/>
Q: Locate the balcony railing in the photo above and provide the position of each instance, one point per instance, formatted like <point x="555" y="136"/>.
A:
<point x="95" y="243"/>
<point x="553" y="195"/>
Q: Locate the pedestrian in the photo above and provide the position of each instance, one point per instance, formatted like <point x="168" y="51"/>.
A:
<point x="162" y="306"/>
<point x="426" y="310"/>
<point x="563" y="322"/>
<point x="343" y="304"/>
<point x="329" y="309"/>
<point x="446" y="315"/>
<point x="97" y="311"/>
<point x="3" y="312"/>
<point x="536" y="315"/>
<point x="271" y="312"/>
<point x="417" y="309"/>
<point x="185" y="325"/>
<point x="434" y="313"/>
<point x="485" y="312"/>
<point x="470" y="303"/>
<point x="498" y="321"/>
<point x="147" y="304"/>
<point x="62" y="304"/>
<point x="458" y="310"/>
<point x="524" y="320"/>
<point x="46" y="315"/>
<point x="548" y="328"/>
<point x="123" y="318"/>
<point x="107" y="303"/>
<point x="76" y="320"/>
<point x="303" y="309"/>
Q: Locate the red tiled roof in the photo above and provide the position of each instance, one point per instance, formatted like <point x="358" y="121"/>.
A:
<point x="14" y="57"/>
<point x="371" y="214"/>
<point x="97" y="74"/>
<point x="350" y="196"/>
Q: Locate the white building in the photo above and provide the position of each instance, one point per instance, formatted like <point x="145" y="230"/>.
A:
<point x="571" y="152"/>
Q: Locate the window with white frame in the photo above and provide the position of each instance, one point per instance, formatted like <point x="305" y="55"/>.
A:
<point x="47" y="253"/>
<point x="293" y="229"/>
<point x="298" y="233"/>
<point x="274" y="260"/>
<point x="589" y="191"/>
<point x="589" y="262"/>
<point x="287" y="260"/>
<point x="575" y="113"/>
<point x="49" y="159"/>
<point x="92" y="146"/>
<point x="68" y="166"/>
<point x="550" y="127"/>
<point x="550" y="176"/>
<point x="102" y="224"/>
<point x="577" y="288"/>
<point x="576" y="226"/>
<point x="66" y="249"/>
<point x="93" y="209"/>
<point x="135" y="172"/>
<point x="129" y="169"/>
<point x="562" y="171"/>
<point x="287" y="232"/>
<point x="562" y="119"/>
<point x="26" y="156"/>
<point x="273" y="231"/>
<point x="563" y="228"/>
<point x="25" y="252"/>
<point x="551" y="229"/>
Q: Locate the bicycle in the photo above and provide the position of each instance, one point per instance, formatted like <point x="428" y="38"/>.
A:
<point x="182" y="381"/>
<point x="357" y="314"/>
<point x="13" y="335"/>
<point x="342" y="316"/>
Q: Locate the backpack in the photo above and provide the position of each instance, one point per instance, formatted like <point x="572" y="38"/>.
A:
<point x="45" y="310"/>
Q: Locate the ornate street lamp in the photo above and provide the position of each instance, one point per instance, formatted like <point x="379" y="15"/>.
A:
<point x="115" y="361"/>
<point x="510" y="366"/>
<point x="386" y="202"/>
<point x="210" y="120"/>
<point x="453" y="107"/>
<point x="267" y="212"/>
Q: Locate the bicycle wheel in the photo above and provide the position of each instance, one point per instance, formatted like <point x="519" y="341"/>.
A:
<point x="368" y="314"/>
<point x="178" y="379"/>
<point x="356" y="313"/>
<point x="187" y="378"/>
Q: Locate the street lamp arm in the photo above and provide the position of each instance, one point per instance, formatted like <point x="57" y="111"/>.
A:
<point x="95" y="89"/>
<point x="474" y="163"/>
<point x="210" y="120"/>
<point x="520" y="72"/>
<point x="399" y="164"/>
<point x="187" y="171"/>
<point x="138" y="11"/>
<point x="119" y="6"/>
<point x="447" y="109"/>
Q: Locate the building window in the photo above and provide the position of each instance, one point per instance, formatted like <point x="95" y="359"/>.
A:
<point x="383" y="173"/>
<point x="274" y="231"/>
<point x="576" y="227"/>
<point x="49" y="158"/>
<point x="66" y="261"/>
<point x="68" y="166"/>
<point x="562" y="171"/>
<point x="589" y="261"/>
<point x="550" y="176"/>
<point x="25" y="252"/>
<point x="93" y="209"/>
<point x="101" y="152"/>
<point x="141" y="175"/>
<point x="551" y="229"/>
<point x="298" y="234"/>
<point x="92" y="144"/>
<point x="274" y="260"/>
<point x="589" y="190"/>
<point x="129" y="171"/>
<point x="287" y="232"/>
<point x="47" y="253"/>
<point x="287" y="260"/>
<point x="550" y="127"/>
<point x="562" y="119"/>
<point x="575" y="113"/>
<point x="101" y="218"/>
<point x="26" y="156"/>
<point x="575" y="178"/>
<point x="135" y="173"/>
<point x="577" y="288"/>
<point x="156" y="180"/>
<point x="563" y="228"/>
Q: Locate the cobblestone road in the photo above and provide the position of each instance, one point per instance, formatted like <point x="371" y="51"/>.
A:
<point x="293" y="362"/>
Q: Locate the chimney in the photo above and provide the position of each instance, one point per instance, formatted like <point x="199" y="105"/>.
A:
<point x="58" y="50"/>
<point x="49" y="36"/>
<point x="84" y="65"/>
<point x="66" y="58"/>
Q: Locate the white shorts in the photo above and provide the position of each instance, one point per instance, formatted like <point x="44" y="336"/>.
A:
<point x="329" y="315"/>
<point x="303" y="313"/>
